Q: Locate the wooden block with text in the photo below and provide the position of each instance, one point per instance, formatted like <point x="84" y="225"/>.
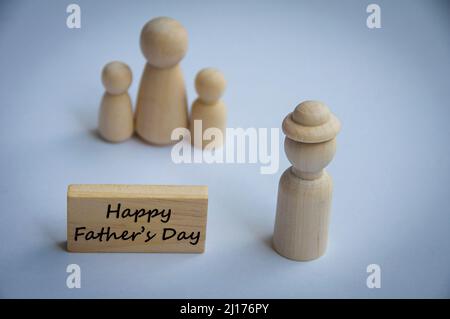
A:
<point x="136" y="218"/>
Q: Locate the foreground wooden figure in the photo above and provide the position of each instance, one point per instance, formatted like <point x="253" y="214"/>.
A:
<point x="136" y="218"/>
<point x="305" y="189"/>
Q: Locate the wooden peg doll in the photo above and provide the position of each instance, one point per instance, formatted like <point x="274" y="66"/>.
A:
<point x="208" y="107"/>
<point x="161" y="103"/>
<point x="305" y="189"/>
<point x="116" y="115"/>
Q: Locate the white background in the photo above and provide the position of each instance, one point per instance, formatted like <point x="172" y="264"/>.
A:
<point x="389" y="87"/>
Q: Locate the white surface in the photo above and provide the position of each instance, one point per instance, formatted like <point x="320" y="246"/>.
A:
<point x="389" y="87"/>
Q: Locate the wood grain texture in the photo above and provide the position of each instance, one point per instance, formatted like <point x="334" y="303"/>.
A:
<point x="178" y="212"/>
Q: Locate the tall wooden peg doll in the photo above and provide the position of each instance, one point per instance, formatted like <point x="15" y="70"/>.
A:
<point x="305" y="188"/>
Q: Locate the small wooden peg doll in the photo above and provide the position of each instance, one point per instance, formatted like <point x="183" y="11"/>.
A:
<point x="116" y="115"/>
<point x="208" y="107"/>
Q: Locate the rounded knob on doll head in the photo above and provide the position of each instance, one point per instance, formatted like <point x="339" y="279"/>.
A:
<point x="164" y="42"/>
<point x="210" y="85"/>
<point x="311" y="113"/>
<point x="116" y="77"/>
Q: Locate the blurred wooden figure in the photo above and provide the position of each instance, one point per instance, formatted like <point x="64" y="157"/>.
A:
<point x="116" y="115"/>
<point x="161" y="102"/>
<point x="305" y="189"/>
<point x="210" y="85"/>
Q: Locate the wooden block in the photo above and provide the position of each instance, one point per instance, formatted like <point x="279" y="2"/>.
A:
<point x="136" y="218"/>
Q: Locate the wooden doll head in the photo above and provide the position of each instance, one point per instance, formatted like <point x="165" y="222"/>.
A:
<point x="210" y="85"/>
<point x="310" y="142"/>
<point x="116" y="77"/>
<point x="164" y="42"/>
<point x="309" y="159"/>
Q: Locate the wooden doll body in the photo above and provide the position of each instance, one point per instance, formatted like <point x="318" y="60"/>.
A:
<point x="212" y="116"/>
<point x="303" y="210"/>
<point x="161" y="103"/>
<point x="208" y="108"/>
<point x="116" y="117"/>
<point x="305" y="188"/>
<point x="115" y="122"/>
